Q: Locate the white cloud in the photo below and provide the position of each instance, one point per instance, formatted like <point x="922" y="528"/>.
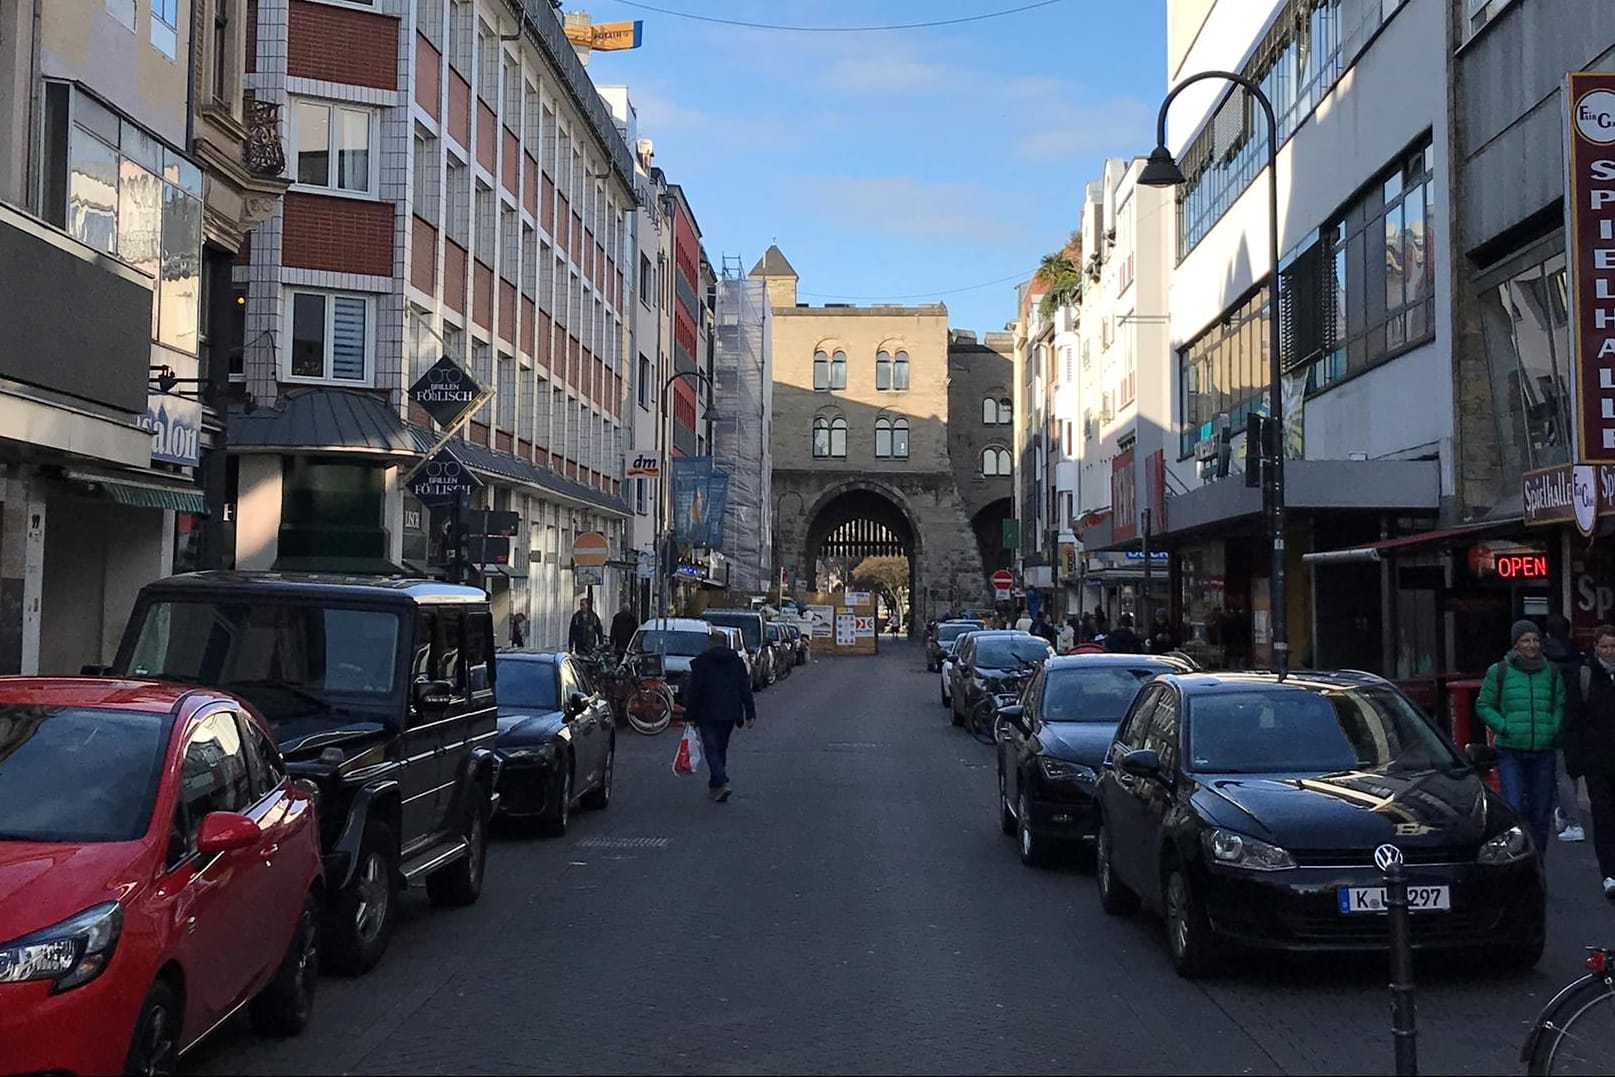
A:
<point x="906" y="206"/>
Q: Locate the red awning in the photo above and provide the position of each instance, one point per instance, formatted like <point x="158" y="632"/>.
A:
<point x="1371" y="551"/>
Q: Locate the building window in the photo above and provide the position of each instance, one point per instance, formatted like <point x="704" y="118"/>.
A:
<point x="165" y="27"/>
<point x="645" y="283"/>
<point x="223" y="55"/>
<point x="1478" y="13"/>
<point x="461" y="13"/>
<point x="821" y="370"/>
<point x="428" y="175"/>
<point x="838" y="370"/>
<point x="332" y="143"/>
<point x="482" y="372"/>
<point x="330" y="337"/>
<point x="123" y="11"/>
<point x="509" y="250"/>
<point x="457" y="181"/>
<point x="505" y="392"/>
<point x="883" y="372"/>
<point x="1526" y="326"/>
<point x="994" y="462"/>
<point x="487" y="221"/>
<point x="891" y="438"/>
<point x="645" y="388"/>
<point x="830" y="438"/>
<point x="1223" y="372"/>
<point x="1380" y="256"/>
<point x="900" y="370"/>
<point x="429" y="21"/>
<point x="997" y="411"/>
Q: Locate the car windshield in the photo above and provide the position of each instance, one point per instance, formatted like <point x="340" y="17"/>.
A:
<point x="949" y="633"/>
<point x="78" y="774"/>
<point x="664" y="641"/>
<point x="284" y="657"/>
<point x="1299" y="730"/>
<point x="1009" y="652"/>
<point x="1092" y="693"/>
<point x="527" y="682"/>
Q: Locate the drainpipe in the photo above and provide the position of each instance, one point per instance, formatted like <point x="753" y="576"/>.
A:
<point x="190" y="79"/>
<point x="36" y="90"/>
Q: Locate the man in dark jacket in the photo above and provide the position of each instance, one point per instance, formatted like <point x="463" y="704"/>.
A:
<point x="718" y="699"/>
<point x="1590" y="745"/>
<point x="623" y="627"/>
<point x="1559" y="649"/>
<point x="585" y="632"/>
<point x="1124" y="640"/>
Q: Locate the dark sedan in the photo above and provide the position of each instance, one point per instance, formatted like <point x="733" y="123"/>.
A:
<point x="1052" y="744"/>
<point x="1249" y="810"/>
<point x="942" y="639"/>
<point x="557" y="742"/>
<point x="992" y="667"/>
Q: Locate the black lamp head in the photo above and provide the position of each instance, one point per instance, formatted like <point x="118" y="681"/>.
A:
<point x="1161" y="170"/>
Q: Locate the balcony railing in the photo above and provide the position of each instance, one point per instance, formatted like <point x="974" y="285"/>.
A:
<point x="263" y="153"/>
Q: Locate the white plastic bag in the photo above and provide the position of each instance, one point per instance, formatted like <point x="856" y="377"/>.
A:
<point x="687" y="760"/>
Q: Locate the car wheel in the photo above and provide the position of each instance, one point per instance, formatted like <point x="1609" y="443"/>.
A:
<point x="460" y="883"/>
<point x="154" y="1048"/>
<point x="560" y="814"/>
<point x="1114" y="896"/>
<point x="946" y="702"/>
<point x="362" y="917"/>
<point x="1034" y="850"/>
<point x="283" y="1008"/>
<point x="1006" y="818"/>
<point x="1188" y="932"/>
<point x="953" y="711"/>
<point x="599" y="798"/>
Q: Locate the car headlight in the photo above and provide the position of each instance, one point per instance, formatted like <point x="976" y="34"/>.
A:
<point x="1063" y="770"/>
<point x="538" y="753"/>
<point x="1238" y="851"/>
<point x="1511" y="845"/>
<point x="69" y="954"/>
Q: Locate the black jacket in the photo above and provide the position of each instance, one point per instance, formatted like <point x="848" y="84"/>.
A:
<point x="1123" y="641"/>
<point x="584" y="633"/>
<point x="720" y="689"/>
<point x="1589" y="736"/>
<point x="1567" y="660"/>
<point x="623" y="627"/>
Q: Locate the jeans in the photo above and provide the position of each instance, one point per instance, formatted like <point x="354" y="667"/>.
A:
<point x="1601" y="796"/>
<point x="715" y="746"/>
<point x="1565" y="795"/>
<point x="1528" y="780"/>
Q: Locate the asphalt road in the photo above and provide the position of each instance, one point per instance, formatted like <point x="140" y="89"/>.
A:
<point x="855" y="909"/>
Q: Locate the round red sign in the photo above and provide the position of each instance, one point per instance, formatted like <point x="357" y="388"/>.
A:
<point x="1003" y="579"/>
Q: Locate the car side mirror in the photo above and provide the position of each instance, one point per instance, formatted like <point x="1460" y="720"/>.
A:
<point x="1481" y="756"/>
<point x="433" y="697"/>
<point x="1141" y="763"/>
<point x="1015" y="715"/>
<point x="92" y="670"/>
<point x="222" y="831"/>
<point x="576" y="704"/>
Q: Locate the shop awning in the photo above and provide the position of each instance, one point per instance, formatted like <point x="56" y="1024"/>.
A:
<point x="1373" y="551"/>
<point x="142" y="493"/>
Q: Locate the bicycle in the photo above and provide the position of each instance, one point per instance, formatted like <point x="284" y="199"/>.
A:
<point x="984" y="720"/>
<point x="1575" y="1032"/>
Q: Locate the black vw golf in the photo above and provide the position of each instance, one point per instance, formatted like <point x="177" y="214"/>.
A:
<point x="1052" y="743"/>
<point x="1248" y="808"/>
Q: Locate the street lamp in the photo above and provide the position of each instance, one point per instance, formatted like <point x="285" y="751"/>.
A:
<point x="1161" y="170"/>
<point x="663" y="499"/>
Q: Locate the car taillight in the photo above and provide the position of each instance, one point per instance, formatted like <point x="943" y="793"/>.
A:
<point x="1597" y="961"/>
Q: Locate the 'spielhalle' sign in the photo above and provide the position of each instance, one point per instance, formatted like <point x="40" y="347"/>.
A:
<point x="1590" y="246"/>
<point x="1581" y="494"/>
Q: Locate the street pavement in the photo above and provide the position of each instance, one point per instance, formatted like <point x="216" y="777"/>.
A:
<point x="855" y="909"/>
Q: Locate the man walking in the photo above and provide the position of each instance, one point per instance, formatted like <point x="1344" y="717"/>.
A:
<point x="1559" y="649"/>
<point x="1522" y="700"/>
<point x="1589" y="745"/>
<point x="717" y="700"/>
<point x="585" y="632"/>
<point x="623" y="627"/>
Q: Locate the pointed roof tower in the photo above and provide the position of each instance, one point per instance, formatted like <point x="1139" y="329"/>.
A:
<point x="775" y="270"/>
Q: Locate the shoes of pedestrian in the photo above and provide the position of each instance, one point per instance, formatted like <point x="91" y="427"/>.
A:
<point x="1609" y="888"/>
<point x="1559" y="820"/>
<point x="1573" y="832"/>
<point x="721" y="796"/>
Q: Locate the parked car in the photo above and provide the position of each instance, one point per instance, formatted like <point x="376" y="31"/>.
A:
<point x="940" y="642"/>
<point x="557" y="742"/>
<point x="677" y="640"/>
<point x="1052" y="743"/>
<point x="1250" y="811"/>
<point x="379" y="691"/>
<point x="945" y="665"/>
<point x="750" y="623"/>
<point x="800" y="643"/>
<point x="783" y="650"/>
<point x="159" y="869"/>
<point x="992" y="666"/>
<point x="737" y="643"/>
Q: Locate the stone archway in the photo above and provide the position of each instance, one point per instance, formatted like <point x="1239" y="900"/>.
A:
<point x="857" y="519"/>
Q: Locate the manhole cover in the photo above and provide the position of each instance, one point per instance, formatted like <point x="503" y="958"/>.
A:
<point x="623" y="843"/>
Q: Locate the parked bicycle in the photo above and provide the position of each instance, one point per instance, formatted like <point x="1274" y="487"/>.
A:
<point x="1575" y="1032"/>
<point x="635" y="687"/>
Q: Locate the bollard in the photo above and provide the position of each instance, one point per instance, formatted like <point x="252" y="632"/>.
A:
<point x="1403" y="1023"/>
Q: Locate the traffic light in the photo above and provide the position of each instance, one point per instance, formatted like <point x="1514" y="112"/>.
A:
<point x="1255" y="448"/>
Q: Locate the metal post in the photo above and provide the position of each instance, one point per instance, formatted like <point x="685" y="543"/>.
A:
<point x="457" y="539"/>
<point x="1145" y="540"/>
<point x="1403" y="1030"/>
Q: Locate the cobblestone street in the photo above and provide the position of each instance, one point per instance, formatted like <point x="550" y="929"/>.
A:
<point x="855" y="909"/>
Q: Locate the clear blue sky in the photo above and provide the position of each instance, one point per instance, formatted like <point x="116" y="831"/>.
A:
<point x="889" y="164"/>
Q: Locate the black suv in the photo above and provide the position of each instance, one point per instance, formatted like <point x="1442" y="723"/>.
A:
<point x="380" y="692"/>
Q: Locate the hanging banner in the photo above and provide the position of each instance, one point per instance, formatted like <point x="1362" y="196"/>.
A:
<point x="1589" y="230"/>
<point x="717" y="508"/>
<point x="690" y="479"/>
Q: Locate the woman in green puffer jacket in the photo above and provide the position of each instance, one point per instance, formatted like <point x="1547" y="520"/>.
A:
<point x="1522" y="700"/>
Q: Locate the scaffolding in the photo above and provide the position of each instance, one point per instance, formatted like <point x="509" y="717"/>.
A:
<point x="740" y="434"/>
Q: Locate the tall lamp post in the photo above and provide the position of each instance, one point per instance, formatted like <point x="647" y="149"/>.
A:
<point x="1162" y="171"/>
<point x="664" y="491"/>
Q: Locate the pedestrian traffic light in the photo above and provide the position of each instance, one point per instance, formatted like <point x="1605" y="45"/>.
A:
<point x="1255" y="444"/>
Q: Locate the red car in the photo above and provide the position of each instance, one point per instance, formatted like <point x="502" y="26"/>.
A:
<point x="158" y="871"/>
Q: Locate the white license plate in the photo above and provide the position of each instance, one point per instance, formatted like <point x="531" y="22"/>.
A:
<point x="1372" y="898"/>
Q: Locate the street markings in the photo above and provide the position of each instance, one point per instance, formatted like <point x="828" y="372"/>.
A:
<point x="623" y="843"/>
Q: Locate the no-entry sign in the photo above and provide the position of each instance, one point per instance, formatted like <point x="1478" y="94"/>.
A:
<point x="589" y="550"/>
<point x="1003" y="581"/>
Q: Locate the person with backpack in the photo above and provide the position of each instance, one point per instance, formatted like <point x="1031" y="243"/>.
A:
<point x="1561" y="650"/>
<point x="1589" y="746"/>
<point x="1522" y="700"/>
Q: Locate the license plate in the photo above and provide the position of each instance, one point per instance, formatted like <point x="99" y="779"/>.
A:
<point x="1372" y="898"/>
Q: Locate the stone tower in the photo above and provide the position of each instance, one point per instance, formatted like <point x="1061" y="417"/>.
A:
<point x="777" y="274"/>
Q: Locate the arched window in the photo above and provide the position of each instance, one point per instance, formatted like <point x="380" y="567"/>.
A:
<point x="821" y="370"/>
<point x="838" y="371"/>
<point x="838" y="436"/>
<point x="900" y="438"/>
<point x="989" y="411"/>
<point x="821" y="438"/>
<point x="995" y="462"/>
<point x="883" y="436"/>
<point x="900" y="370"/>
<point x="1006" y="413"/>
<point x="883" y="370"/>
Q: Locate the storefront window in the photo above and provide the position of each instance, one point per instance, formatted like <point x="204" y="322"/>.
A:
<point x="188" y="541"/>
<point x="1205" y="608"/>
<point x="1525" y="323"/>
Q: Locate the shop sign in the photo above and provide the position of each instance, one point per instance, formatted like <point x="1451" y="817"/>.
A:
<point x="1512" y="562"/>
<point x="1123" y="497"/>
<point x="645" y="466"/>
<point x="447" y="393"/>
<point x="1569" y="493"/>
<point x="443" y="479"/>
<point x="1590" y="243"/>
<point x="175" y="426"/>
